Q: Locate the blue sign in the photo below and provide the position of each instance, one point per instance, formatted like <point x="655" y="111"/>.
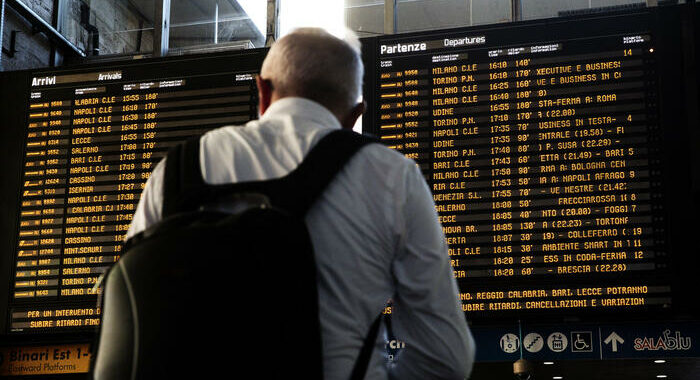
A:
<point x="586" y="341"/>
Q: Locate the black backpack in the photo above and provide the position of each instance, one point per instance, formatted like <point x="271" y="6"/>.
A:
<point x="208" y="293"/>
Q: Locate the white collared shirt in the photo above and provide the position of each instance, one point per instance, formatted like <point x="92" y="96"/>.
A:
<point x="375" y="234"/>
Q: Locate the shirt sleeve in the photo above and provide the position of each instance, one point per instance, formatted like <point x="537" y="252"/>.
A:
<point x="427" y="313"/>
<point x="149" y="210"/>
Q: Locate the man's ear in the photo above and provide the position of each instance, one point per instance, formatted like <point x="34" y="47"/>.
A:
<point x="264" y="94"/>
<point x="353" y="115"/>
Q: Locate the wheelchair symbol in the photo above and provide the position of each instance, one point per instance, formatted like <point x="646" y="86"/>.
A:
<point x="581" y="341"/>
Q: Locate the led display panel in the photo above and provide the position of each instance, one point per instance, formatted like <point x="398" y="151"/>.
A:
<point x="546" y="146"/>
<point x="90" y="137"/>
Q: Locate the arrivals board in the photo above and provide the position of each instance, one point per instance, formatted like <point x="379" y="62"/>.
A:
<point x="91" y="137"/>
<point x="544" y="146"/>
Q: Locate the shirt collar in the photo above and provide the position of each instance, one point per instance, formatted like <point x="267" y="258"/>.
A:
<point x="301" y="108"/>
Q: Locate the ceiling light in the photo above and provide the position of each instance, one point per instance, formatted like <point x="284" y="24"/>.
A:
<point x="661" y="376"/>
<point x="557" y="378"/>
<point x="548" y="363"/>
<point x="660" y="361"/>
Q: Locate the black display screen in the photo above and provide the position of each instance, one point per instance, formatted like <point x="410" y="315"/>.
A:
<point x="90" y="138"/>
<point x="546" y="148"/>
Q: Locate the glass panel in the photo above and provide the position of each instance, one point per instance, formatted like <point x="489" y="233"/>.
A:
<point x="365" y="17"/>
<point x="104" y="27"/>
<point x="607" y="3"/>
<point x="533" y="9"/>
<point x="415" y="15"/>
<point x="200" y="25"/>
<point x="257" y="11"/>
<point x="326" y="14"/>
<point x="549" y="8"/>
<point x="491" y="11"/>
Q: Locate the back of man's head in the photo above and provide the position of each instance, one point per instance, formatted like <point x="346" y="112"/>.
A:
<point x="313" y="64"/>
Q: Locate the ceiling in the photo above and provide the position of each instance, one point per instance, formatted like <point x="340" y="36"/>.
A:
<point x="192" y="22"/>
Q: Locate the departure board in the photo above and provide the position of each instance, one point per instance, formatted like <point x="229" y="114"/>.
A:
<point x="542" y="143"/>
<point x="92" y="138"/>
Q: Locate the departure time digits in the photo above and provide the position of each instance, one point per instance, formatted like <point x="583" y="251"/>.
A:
<point x="541" y="166"/>
<point x="90" y="149"/>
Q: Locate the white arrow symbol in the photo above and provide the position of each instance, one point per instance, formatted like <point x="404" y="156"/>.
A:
<point x="615" y="339"/>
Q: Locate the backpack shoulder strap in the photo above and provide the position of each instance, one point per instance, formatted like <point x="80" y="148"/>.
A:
<point x="184" y="187"/>
<point x="359" y="370"/>
<point x="183" y="175"/>
<point x="328" y="157"/>
<point x="296" y="192"/>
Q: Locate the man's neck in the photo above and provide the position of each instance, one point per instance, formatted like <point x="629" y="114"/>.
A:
<point x="276" y="97"/>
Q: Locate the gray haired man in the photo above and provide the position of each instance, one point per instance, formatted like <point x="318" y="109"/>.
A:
<point x="375" y="230"/>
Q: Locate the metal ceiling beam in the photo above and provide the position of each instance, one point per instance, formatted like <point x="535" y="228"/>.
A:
<point x="44" y="27"/>
<point x="390" y="16"/>
<point x="2" y="28"/>
<point x="216" y="23"/>
<point x="207" y="22"/>
<point x="516" y="10"/>
<point x="273" y="21"/>
<point x="161" y="28"/>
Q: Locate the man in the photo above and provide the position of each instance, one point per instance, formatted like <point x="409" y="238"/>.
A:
<point x="374" y="230"/>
